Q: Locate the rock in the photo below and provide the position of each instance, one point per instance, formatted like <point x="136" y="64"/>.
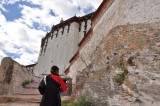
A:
<point x="13" y="76"/>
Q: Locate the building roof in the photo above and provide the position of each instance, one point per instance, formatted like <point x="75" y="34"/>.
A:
<point x="72" y="19"/>
<point x="64" y="23"/>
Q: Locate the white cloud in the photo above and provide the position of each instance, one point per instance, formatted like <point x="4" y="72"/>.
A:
<point x="26" y="58"/>
<point x="21" y="35"/>
<point x="2" y="54"/>
<point x="21" y="38"/>
<point x="2" y="19"/>
<point x="64" y="8"/>
<point x="41" y="16"/>
<point x="8" y="1"/>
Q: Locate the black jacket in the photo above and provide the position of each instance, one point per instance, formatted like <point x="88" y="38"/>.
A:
<point x="50" y="92"/>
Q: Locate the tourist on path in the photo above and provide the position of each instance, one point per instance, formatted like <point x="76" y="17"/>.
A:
<point x="50" y="87"/>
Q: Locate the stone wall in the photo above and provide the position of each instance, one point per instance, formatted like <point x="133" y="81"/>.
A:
<point x="125" y="67"/>
<point x="12" y="75"/>
<point x="6" y="72"/>
<point x="119" y="12"/>
<point x="119" y="63"/>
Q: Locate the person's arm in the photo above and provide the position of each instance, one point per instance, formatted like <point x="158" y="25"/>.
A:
<point x="41" y="87"/>
<point x="63" y="85"/>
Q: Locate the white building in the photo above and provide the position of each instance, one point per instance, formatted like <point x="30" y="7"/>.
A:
<point x="61" y="44"/>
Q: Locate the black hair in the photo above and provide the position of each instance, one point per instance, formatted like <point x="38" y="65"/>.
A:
<point x="54" y="69"/>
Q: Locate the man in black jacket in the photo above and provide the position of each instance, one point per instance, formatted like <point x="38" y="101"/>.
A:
<point x="50" y="87"/>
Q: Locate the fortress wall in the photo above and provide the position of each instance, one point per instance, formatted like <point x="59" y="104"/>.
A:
<point x="129" y="49"/>
<point x="81" y="32"/>
<point x="75" y="69"/>
<point x="140" y="11"/>
<point x="60" y="48"/>
<point x="87" y="51"/>
<point x="82" y="29"/>
<point x="121" y="12"/>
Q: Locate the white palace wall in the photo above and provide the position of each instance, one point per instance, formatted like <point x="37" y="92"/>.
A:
<point x="60" y="48"/>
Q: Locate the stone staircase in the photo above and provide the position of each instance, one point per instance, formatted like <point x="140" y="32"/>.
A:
<point x="29" y="96"/>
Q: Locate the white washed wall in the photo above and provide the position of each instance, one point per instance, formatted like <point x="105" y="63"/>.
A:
<point x="60" y="49"/>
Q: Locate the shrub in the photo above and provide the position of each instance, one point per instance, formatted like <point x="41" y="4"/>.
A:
<point x="9" y="100"/>
<point x="25" y="82"/>
<point x="84" y="100"/>
<point x="68" y="103"/>
<point x="122" y="76"/>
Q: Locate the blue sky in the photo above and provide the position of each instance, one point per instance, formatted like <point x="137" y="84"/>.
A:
<point x="14" y="10"/>
<point x="23" y="23"/>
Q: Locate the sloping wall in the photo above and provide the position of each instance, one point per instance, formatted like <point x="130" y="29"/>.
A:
<point x="111" y="14"/>
<point x="128" y="64"/>
<point x="118" y="63"/>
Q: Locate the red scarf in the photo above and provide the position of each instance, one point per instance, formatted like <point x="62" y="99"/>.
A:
<point x="58" y="79"/>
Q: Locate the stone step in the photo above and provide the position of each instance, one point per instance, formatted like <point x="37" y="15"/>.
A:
<point x="27" y="95"/>
<point x="26" y="98"/>
<point x="21" y="98"/>
<point x="18" y="104"/>
<point x="33" y="85"/>
<point x="22" y="103"/>
<point x="29" y="91"/>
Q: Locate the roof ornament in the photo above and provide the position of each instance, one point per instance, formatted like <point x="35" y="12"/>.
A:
<point x="52" y="28"/>
<point x="61" y="20"/>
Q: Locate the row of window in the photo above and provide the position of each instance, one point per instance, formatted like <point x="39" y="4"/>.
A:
<point x="85" y="26"/>
<point x="85" y="30"/>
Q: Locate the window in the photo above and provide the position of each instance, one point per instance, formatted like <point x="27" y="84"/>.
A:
<point x="84" y="33"/>
<point x="62" y="30"/>
<point x="46" y="45"/>
<point x="51" y="35"/>
<point x="85" y="26"/>
<point x="68" y="28"/>
<point x="79" y="27"/>
<point x="57" y="34"/>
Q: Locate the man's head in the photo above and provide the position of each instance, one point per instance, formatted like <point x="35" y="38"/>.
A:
<point x="54" y="69"/>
